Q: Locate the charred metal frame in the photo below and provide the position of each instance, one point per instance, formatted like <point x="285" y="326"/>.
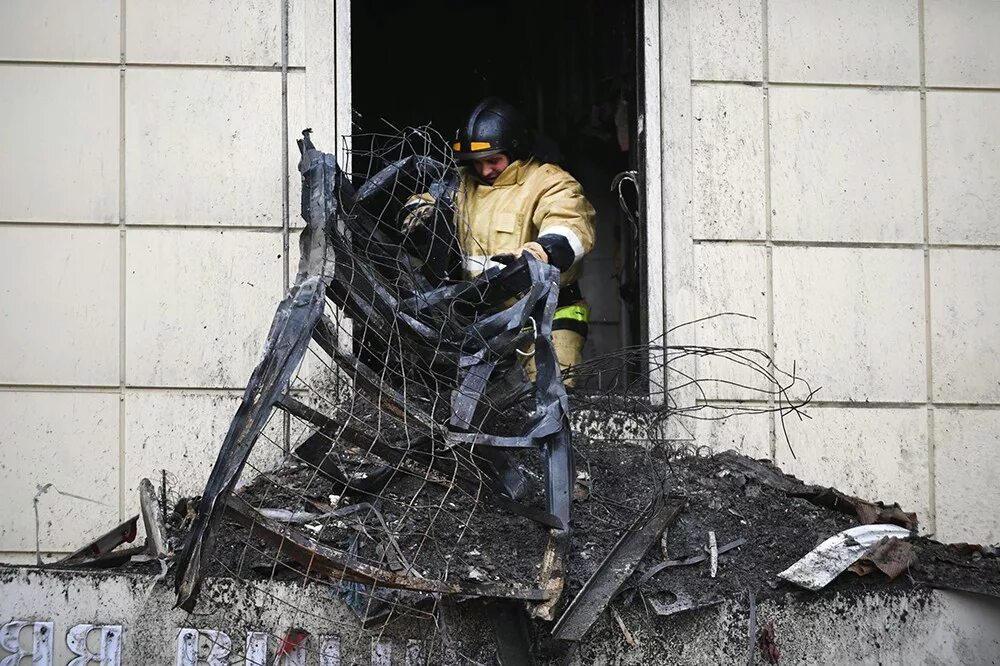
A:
<point x="616" y="568"/>
<point x="476" y="346"/>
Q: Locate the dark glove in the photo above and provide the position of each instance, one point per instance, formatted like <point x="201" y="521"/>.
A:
<point x="531" y="247"/>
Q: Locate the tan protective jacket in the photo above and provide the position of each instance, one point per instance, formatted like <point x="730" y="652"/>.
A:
<point x="527" y="200"/>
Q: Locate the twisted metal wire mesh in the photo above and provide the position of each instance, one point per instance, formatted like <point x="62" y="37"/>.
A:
<point x="372" y="478"/>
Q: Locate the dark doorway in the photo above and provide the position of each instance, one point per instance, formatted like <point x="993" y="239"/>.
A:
<point x="571" y="66"/>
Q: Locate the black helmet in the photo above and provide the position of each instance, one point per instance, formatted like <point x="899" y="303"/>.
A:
<point x="493" y="127"/>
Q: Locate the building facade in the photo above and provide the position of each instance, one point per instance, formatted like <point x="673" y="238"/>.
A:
<point x="829" y="167"/>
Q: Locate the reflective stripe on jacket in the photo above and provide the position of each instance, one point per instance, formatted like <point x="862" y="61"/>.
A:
<point x="574" y="318"/>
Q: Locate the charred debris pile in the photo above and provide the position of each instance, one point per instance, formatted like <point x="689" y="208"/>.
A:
<point x="425" y="467"/>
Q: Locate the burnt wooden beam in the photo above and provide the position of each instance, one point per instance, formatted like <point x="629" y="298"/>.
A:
<point x="104" y="544"/>
<point x="598" y="591"/>
<point x="152" y="519"/>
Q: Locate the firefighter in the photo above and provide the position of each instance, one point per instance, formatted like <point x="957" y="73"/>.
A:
<point x="510" y="202"/>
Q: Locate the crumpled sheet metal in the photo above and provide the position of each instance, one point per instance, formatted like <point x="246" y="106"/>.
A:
<point x="477" y="349"/>
<point x="867" y="512"/>
<point x="681" y="602"/>
<point x="891" y="556"/>
<point x="832" y="557"/>
<point x="104" y="546"/>
<point x="284" y="349"/>
<point x="349" y="266"/>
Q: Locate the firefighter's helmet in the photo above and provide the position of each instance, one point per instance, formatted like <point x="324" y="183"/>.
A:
<point x="493" y="127"/>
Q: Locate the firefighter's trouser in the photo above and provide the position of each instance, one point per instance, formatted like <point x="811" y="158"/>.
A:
<point x="569" y="333"/>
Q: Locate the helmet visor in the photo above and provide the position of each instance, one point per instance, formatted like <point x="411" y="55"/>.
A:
<point x="472" y="150"/>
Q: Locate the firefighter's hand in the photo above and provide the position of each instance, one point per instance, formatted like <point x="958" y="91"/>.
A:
<point x="507" y="258"/>
<point x="417" y="215"/>
<point x="531" y="247"/>
<point x="535" y="250"/>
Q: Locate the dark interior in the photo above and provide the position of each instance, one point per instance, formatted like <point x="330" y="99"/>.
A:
<point x="572" y="68"/>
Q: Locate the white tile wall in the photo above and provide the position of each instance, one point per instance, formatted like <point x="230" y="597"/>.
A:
<point x="728" y="161"/>
<point x="728" y="46"/>
<point x="845" y="165"/>
<point x="59" y="157"/>
<point x="966" y="446"/>
<point x="866" y="303"/>
<point x="199" y="303"/>
<point x="844" y="41"/>
<point x="730" y="279"/>
<point x="68" y="440"/>
<point x="80" y="31"/>
<point x="201" y="145"/>
<point x="223" y="32"/>
<point x="323" y="136"/>
<point x="182" y="432"/>
<point x="852" y="320"/>
<point x="963" y="166"/>
<point x="202" y="149"/>
<point x="877" y="454"/>
<point x="965" y="321"/>
<point x="748" y="434"/>
<point x="59" y="305"/>
<point x="961" y="43"/>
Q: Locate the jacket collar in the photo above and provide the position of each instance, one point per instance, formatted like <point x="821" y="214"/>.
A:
<point x="515" y="174"/>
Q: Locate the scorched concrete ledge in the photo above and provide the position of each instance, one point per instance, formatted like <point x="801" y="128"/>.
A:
<point x="47" y="614"/>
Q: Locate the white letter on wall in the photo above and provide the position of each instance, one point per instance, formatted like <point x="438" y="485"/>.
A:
<point x="109" y="652"/>
<point x="41" y="643"/>
<point x="329" y="651"/>
<point x="256" y="649"/>
<point x="381" y="653"/>
<point x="187" y="648"/>
<point x="219" y="648"/>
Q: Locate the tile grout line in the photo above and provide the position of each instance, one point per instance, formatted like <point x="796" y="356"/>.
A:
<point x="768" y="231"/>
<point x="879" y="245"/>
<point x="148" y="65"/>
<point x="749" y="242"/>
<point x="848" y="404"/>
<point x="886" y="245"/>
<point x="286" y="423"/>
<point x="833" y="85"/>
<point x="217" y="66"/>
<point x="160" y="226"/>
<point x="111" y="389"/>
<point x="928" y="337"/>
<point x="690" y="217"/>
<point x="338" y="132"/>
<point x="60" y="388"/>
<point x="122" y="255"/>
<point x="114" y="388"/>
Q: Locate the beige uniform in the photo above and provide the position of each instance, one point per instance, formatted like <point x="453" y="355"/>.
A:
<point x="527" y="200"/>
